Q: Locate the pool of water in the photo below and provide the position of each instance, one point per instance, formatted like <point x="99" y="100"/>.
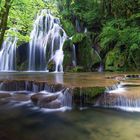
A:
<point x="24" y="123"/>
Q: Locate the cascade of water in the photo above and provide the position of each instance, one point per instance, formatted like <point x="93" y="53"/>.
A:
<point x="47" y="40"/>
<point x="120" y="96"/>
<point x="8" y="54"/>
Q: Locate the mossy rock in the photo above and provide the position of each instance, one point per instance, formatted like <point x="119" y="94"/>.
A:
<point x="85" y="54"/>
<point x="86" y="95"/>
<point x="68" y="51"/>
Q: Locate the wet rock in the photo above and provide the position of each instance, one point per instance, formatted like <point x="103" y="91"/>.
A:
<point x="41" y="98"/>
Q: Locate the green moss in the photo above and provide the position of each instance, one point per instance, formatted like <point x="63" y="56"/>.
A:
<point x="85" y="54"/>
<point x="86" y="95"/>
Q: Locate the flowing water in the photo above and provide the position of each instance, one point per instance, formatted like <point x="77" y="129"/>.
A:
<point x="46" y="45"/>
<point x="21" y="119"/>
<point x="8" y="54"/>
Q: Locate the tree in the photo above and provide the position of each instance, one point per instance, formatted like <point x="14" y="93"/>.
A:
<point x="4" y="18"/>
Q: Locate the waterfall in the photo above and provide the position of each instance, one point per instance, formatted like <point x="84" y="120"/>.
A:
<point x="8" y="54"/>
<point x="46" y="45"/>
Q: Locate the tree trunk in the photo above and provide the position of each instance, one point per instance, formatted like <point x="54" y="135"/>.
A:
<point x="4" y="19"/>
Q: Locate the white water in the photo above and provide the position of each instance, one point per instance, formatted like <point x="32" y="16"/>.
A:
<point x="46" y="45"/>
<point x="116" y="89"/>
<point x="8" y="54"/>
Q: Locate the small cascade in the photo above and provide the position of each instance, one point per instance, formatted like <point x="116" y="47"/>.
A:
<point x="46" y="45"/>
<point x="66" y="98"/>
<point x="8" y="54"/>
<point x="86" y="30"/>
<point x="117" y="88"/>
<point x="100" y="69"/>
<point x="44" y="96"/>
<point x="121" y="96"/>
<point x="74" y="60"/>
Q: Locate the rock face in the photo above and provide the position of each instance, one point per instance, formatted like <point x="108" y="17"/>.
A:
<point x="22" y="57"/>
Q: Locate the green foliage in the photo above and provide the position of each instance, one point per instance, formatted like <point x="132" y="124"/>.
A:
<point x="119" y="34"/>
<point x="112" y="25"/>
<point x="22" y="15"/>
